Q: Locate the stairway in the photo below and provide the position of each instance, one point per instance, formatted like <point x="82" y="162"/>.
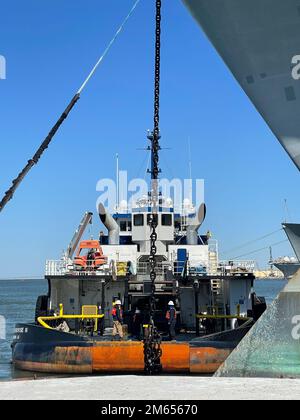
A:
<point x="213" y="257"/>
<point x="218" y="301"/>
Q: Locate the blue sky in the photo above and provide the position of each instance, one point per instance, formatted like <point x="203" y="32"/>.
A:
<point x="50" y="47"/>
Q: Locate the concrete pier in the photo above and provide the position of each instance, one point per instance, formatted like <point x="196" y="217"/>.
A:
<point x="151" y="388"/>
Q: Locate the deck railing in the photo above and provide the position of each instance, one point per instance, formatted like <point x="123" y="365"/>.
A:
<point x="177" y="268"/>
<point x="237" y="266"/>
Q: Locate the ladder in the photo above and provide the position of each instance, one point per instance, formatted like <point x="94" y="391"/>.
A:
<point x="218" y="301"/>
<point x="213" y="257"/>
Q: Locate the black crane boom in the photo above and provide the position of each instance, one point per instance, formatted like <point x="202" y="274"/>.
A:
<point x="16" y="182"/>
<point x="32" y="162"/>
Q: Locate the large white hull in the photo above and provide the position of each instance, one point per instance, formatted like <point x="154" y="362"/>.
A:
<point x="259" y="40"/>
<point x="288" y="269"/>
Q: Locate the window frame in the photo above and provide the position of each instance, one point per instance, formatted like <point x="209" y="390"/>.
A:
<point x="138" y="216"/>
<point x="169" y="218"/>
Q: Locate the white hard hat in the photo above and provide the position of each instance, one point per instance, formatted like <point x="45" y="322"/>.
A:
<point x="118" y="302"/>
<point x="171" y="303"/>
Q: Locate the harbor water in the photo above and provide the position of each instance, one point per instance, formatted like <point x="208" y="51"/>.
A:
<point x="17" y="304"/>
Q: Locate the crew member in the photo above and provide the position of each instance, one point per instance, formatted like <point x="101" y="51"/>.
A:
<point x="117" y="315"/>
<point x="171" y="318"/>
<point x="101" y="238"/>
<point x="90" y="258"/>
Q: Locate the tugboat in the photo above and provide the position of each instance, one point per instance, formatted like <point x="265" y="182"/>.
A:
<point x="214" y="300"/>
<point x="150" y="255"/>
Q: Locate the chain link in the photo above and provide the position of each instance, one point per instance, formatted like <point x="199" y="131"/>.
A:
<point x="152" y="338"/>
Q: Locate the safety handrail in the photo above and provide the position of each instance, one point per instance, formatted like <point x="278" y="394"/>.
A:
<point x="191" y="268"/>
<point x="239" y="317"/>
<point x="216" y="315"/>
<point x="42" y="319"/>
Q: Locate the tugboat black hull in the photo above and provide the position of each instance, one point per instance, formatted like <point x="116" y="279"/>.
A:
<point x="37" y="349"/>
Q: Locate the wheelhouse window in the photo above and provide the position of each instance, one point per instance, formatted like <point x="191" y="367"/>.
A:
<point x="126" y="226"/>
<point x="123" y="226"/>
<point x="138" y="220"/>
<point x="149" y="218"/>
<point x="166" y="220"/>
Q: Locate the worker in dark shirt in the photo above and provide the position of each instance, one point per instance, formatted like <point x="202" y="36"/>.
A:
<point x="117" y="315"/>
<point x="171" y="318"/>
<point x="91" y="258"/>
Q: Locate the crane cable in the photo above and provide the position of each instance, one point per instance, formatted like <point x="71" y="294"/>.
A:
<point x="252" y="241"/>
<point x="260" y="249"/>
<point x="34" y="160"/>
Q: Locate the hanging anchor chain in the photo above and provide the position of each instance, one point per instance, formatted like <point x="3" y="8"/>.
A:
<point x="152" y="338"/>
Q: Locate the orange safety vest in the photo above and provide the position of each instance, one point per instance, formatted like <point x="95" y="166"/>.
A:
<point x="168" y="315"/>
<point x="114" y="313"/>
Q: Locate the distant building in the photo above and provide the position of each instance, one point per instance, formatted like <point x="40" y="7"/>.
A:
<point x="268" y="273"/>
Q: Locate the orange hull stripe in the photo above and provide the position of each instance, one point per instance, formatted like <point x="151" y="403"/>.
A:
<point x="128" y="357"/>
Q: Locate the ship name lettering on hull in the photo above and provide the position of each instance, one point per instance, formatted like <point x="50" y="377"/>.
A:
<point x="296" y="329"/>
<point x="296" y="68"/>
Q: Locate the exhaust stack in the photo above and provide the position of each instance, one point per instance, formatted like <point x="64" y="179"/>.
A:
<point x="194" y="226"/>
<point x="111" y="225"/>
